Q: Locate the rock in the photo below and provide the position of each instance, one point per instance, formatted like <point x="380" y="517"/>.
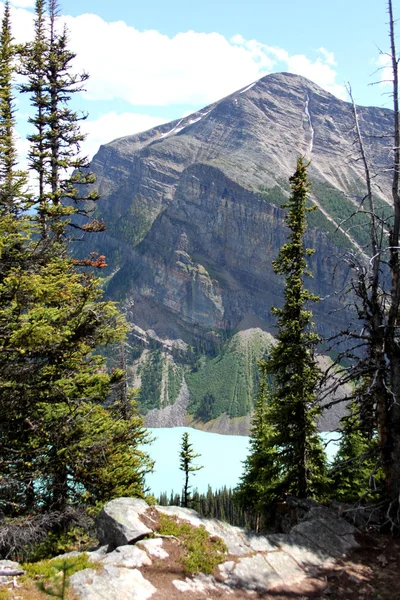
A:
<point x="332" y="520"/>
<point x="260" y="543"/>
<point x="254" y="573"/>
<point x="234" y="537"/>
<point x="153" y="547"/>
<point x="98" y="553"/>
<point x="285" y="566"/>
<point x="302" y="550"/>
<point x="119" y="522"/>
<point x="111" y="583"/>
<point x="9" y="568"/>
<point x="193" y="217"/>
<point x="323" y="537"/>
<point x="126" y="556"/>
<point x="201" y="584"/>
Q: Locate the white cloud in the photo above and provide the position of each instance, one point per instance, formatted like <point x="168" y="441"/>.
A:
<point x="148" y="68"/>
<point x="319" y="70"/>
<point x="329" y="56"/>
<point x="110" y="126"/>
<point x="23" y="3"/>
<point x="384" y="64"/>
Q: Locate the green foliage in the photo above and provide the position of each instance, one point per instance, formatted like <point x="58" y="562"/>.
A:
<point x="273" y="195"/>
<point x="58" y="572"/>
<point x="219" y="504"/>
<point x="293" y="409"/>
<point x="59" y="542"/>
<point x="174" y="381"/>
<point x="355" y="473"/>
<point x="286" y="455"/>
<point x="187" y="456"/>
<point x="231" y="378"/>
<point x="151" y="372"/>
<point x="202" y="553"/>
<point x="261" y="483"/>
<point x="58" y="444"/>
<point x="50" y="567"/>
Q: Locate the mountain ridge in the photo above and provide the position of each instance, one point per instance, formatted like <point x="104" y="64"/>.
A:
<point x="193" y="212"/>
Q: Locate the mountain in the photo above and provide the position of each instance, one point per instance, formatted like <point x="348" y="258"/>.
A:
<point x="193" y="219"/>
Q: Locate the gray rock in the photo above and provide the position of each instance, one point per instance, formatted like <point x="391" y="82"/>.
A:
<point x="338" y="525"/>
<point x="254" y="573"/>
<point x="285" y="566"/>
<point x="302" y="550"/>
<point x="323" y="537"/>
<point x="126" y="556"/>
<point x="98" y="553"/>
<point x="111" y="583"/>
<point x="153" y="547"/>
<point x="260" y="543"/>
<point x="9" y="568"/>
<point x="234" y="537"/>
<point x="119" y="522"/>
<point x="201" y="584"/>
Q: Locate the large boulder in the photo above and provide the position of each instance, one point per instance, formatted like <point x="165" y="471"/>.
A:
<point x="119" y="522"/>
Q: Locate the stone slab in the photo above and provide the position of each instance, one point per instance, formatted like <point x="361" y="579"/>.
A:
<point x="253" y="573"/>
<point x="322" y="537"/>
<point x="285" y="566"/>
<point x="111" y="583"/>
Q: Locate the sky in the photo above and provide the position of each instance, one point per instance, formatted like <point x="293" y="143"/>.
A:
<point x="155" y="61"/>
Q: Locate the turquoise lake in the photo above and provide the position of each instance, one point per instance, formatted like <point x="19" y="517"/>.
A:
<point x="221" y="457"/>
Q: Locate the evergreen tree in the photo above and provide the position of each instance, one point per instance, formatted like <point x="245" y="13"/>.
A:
<point x="187" y="456"/>
<point x="294" y="408"/>
<point x="354" y="471"/>
<point x="62" y="173"/>
<point x="259" y="485"/>
<point x="58" y="444"/>
<point x="12" y="181"/>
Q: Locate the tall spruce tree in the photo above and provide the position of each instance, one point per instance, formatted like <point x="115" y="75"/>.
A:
<point x="63" y="175"/>
<point x="294" y="408"/>
<point x="58" y="444"/>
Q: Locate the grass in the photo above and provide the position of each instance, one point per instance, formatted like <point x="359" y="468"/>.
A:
<point x="49" y="575"/>
<point x="202" y="552"/>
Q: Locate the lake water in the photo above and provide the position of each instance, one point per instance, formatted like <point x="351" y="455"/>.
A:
<point x="221" y="457"/>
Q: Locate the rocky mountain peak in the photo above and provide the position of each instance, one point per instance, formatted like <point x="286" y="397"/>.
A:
<point x="194" y="220"/>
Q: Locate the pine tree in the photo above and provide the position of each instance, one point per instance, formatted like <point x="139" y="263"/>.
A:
<point x="12" y="181"/>
<point x="63" y="175"/>
<point x="294" y="407"/>
<point x="187" y="456"/>
<point x="259" y="485"/>
<point x="354" y="473"/>
<point x="58" y="444"/>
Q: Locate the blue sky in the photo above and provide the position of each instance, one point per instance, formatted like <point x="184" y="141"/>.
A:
<point x="155" y="61"/>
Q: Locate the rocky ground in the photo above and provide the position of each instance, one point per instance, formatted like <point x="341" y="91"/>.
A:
<point x="322" y="557"/>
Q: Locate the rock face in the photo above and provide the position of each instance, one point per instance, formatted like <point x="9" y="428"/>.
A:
<point x="119" y="522"/>
<point x="194" y="220"/>
<point x="253" y="563"/>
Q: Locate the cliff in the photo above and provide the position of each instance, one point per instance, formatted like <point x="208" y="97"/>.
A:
<point x="194" y="221"/>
